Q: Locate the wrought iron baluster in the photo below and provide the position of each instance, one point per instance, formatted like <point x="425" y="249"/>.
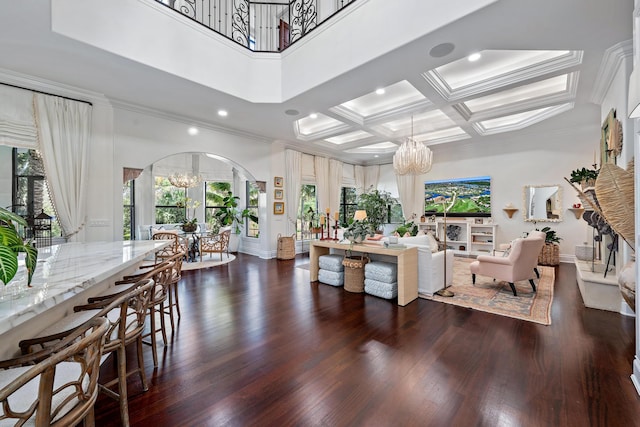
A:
<point x="240" y="22"/>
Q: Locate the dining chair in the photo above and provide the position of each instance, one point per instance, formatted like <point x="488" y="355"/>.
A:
<point x="57" y="386"/>
<point x="215" y="243"/>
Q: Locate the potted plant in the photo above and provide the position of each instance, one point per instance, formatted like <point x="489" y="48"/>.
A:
<point x="408" y="226"/>
<point x="11" y="244"/>
<point x="376" y="203"/>
<point x="229" y="215"/>
<point x="585" y="177"/>
<point x="189" y="225"/>
<point x="550" y="253"/>
<point x="357" y="231"/>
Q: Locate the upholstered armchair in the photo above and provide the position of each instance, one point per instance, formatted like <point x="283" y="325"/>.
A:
<point x="518" y="265"/>
<point x="215" y="243"/>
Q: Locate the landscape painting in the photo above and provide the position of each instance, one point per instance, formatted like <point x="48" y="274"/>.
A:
<point x="472" y="196"/>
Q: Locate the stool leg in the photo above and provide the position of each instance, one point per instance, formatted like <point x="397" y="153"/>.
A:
<point x="170" y="309"/>
<point x="163" y="327"/>
<point x="177" y="301"/>
<point x="154" y="351"/>
<point x="122" y="385"/>
<point x="143" y="374"/>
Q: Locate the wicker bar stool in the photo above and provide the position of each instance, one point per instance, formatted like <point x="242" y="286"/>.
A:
<point x="126" y="314"/>
<point x="61" y="386"/>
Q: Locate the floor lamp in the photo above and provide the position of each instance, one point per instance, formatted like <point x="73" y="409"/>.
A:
<point x="444" y="292"/>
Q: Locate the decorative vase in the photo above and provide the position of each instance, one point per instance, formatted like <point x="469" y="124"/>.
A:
<point x="189" y="227"/>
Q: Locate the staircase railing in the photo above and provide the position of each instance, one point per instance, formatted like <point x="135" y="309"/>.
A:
<point x="258" y="25"/>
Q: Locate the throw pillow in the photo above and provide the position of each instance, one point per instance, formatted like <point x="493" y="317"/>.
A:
<point x="433" y="243"/>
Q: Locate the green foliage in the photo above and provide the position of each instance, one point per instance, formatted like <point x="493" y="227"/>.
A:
<point x="375" y="203"/>
<point x="551" y="236"/>
<point x="357" y="231"/>
<point x="229" y="214"/>
<point x="583" y="174"/>
<point x="407" y="227"/>
<point x="11" y="244"/>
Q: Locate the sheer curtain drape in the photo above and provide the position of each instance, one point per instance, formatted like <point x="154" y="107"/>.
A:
<point x="411" y="192"/>
<point x="366" y="177"/>
<point x="335" y="184"/>
<point x="292" y="183"/>
<point x="322" y="182"/>
<point x="64" y="128"/>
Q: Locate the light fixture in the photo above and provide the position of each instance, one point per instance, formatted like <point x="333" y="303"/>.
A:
<point x="633" y="98"/>
<point x="184" y="180"/>
<point x="474" y="57"/>
<point x="360" y="215"/>
<point x="413" y="157"/>
<point x="313" y="116"/>
<point x="380" y="91"/>
<point x="223" y="113"/>
<point x="192" y="131"/>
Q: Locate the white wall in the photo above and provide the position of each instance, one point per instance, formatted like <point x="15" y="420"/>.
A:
<point x="533" y="158"/>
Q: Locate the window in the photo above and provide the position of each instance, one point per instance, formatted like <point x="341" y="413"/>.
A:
<point x="214" y="193"/>
<point x="170" y="207"/>
<point x="348" y="205"/>
<point x="253" y="229"/>
<point x="307" y="200"/>
<point x="30" y="196"/>
<point x="129" y="217"/>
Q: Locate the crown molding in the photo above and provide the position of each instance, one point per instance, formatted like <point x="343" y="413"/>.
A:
<point x="54" y="88"/>
<point x="611" y="61"/>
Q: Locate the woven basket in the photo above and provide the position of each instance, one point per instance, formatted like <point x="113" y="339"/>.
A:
<point x="354" y="273"/>
<point x="286" y="247"/>
<point x="550" y="255"/>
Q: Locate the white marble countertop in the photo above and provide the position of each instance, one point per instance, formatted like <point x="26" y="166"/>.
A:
<point x="64" y="271"/>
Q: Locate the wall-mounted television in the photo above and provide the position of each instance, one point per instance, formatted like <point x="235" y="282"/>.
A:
<point x="473" y="196"/>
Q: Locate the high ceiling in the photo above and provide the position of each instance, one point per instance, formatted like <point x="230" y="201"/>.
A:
<point x="537" y="60"/>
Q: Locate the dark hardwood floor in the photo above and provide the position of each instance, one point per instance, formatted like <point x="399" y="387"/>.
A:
<point x="258" y="345"/>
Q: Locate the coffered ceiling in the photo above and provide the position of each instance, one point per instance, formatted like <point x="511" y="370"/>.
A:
<point x="538" y="62"/>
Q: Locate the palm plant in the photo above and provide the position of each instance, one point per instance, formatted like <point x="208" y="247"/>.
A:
<point x="11" y="244"/>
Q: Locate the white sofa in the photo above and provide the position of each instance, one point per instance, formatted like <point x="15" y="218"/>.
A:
<point x="430" y="265"/>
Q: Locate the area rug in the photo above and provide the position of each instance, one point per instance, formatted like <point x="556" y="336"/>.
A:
<point x="208" y="262"/>
<point x="496" y="297"/>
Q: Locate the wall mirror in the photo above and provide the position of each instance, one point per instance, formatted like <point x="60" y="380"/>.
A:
<point x="543" y="203"/>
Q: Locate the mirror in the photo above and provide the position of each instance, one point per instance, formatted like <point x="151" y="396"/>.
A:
<point x="543" y="203"/>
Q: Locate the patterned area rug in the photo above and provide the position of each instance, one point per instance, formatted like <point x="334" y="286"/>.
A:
<point x="208" y="262"/>
<point x="496" y="297"/>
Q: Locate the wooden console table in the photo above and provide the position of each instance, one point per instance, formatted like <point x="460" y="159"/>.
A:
<point x="407" y="264"/>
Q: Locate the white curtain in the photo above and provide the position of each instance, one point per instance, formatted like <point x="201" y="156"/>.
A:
<point x="17" y="122"/>
<point x="64" y="128"/>
<point x="366" y="177"/>
<point x="292" y="183"/>
<point x="322" y="182"/>
<point x="411" y="192"/>
<point x="335" y="184"/>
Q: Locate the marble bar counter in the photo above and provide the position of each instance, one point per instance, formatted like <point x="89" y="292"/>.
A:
<point x="66" y="275"/>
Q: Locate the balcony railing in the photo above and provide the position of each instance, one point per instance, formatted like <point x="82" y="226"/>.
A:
<point x="256" y="25"/>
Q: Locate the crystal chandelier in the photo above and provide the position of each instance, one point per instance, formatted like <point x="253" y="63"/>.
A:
<point x="184" y="180"/>
<point x="413" y="157"/>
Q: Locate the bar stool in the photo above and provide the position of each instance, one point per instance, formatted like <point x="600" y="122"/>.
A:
<point x="61" y="386"/>
<point x="161" y="275"/>
<point x="126" y="314"/>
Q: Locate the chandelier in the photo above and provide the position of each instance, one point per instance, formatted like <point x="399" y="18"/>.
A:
<point x="413" y="157"/>
<point x="184" y="180"/>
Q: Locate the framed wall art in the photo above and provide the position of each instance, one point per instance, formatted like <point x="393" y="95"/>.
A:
<point x="277" y="181"/>
<point x="278" y="208"/>
<point x="611" y="139"/>
<point x="278" y="194"/>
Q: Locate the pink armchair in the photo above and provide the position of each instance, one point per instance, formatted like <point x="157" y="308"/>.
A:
<point x="520" y="264"/>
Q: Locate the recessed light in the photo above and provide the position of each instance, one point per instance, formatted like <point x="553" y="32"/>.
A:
<point x="380" y="91"/>
<point x="313" y="115"/>
<point x="474" y="57"/>
<point x="376" y="156"/>
<point x="192" y="131"/>
<point x="223" y="113"/>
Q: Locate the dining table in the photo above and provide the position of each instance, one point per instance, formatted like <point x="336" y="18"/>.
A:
<point x="65" y="276"/>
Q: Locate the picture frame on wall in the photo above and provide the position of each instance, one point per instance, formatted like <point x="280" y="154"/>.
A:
<point x="278" y="208"/>
<point x="277" y="181"/>
<point x="278" y="194"/>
